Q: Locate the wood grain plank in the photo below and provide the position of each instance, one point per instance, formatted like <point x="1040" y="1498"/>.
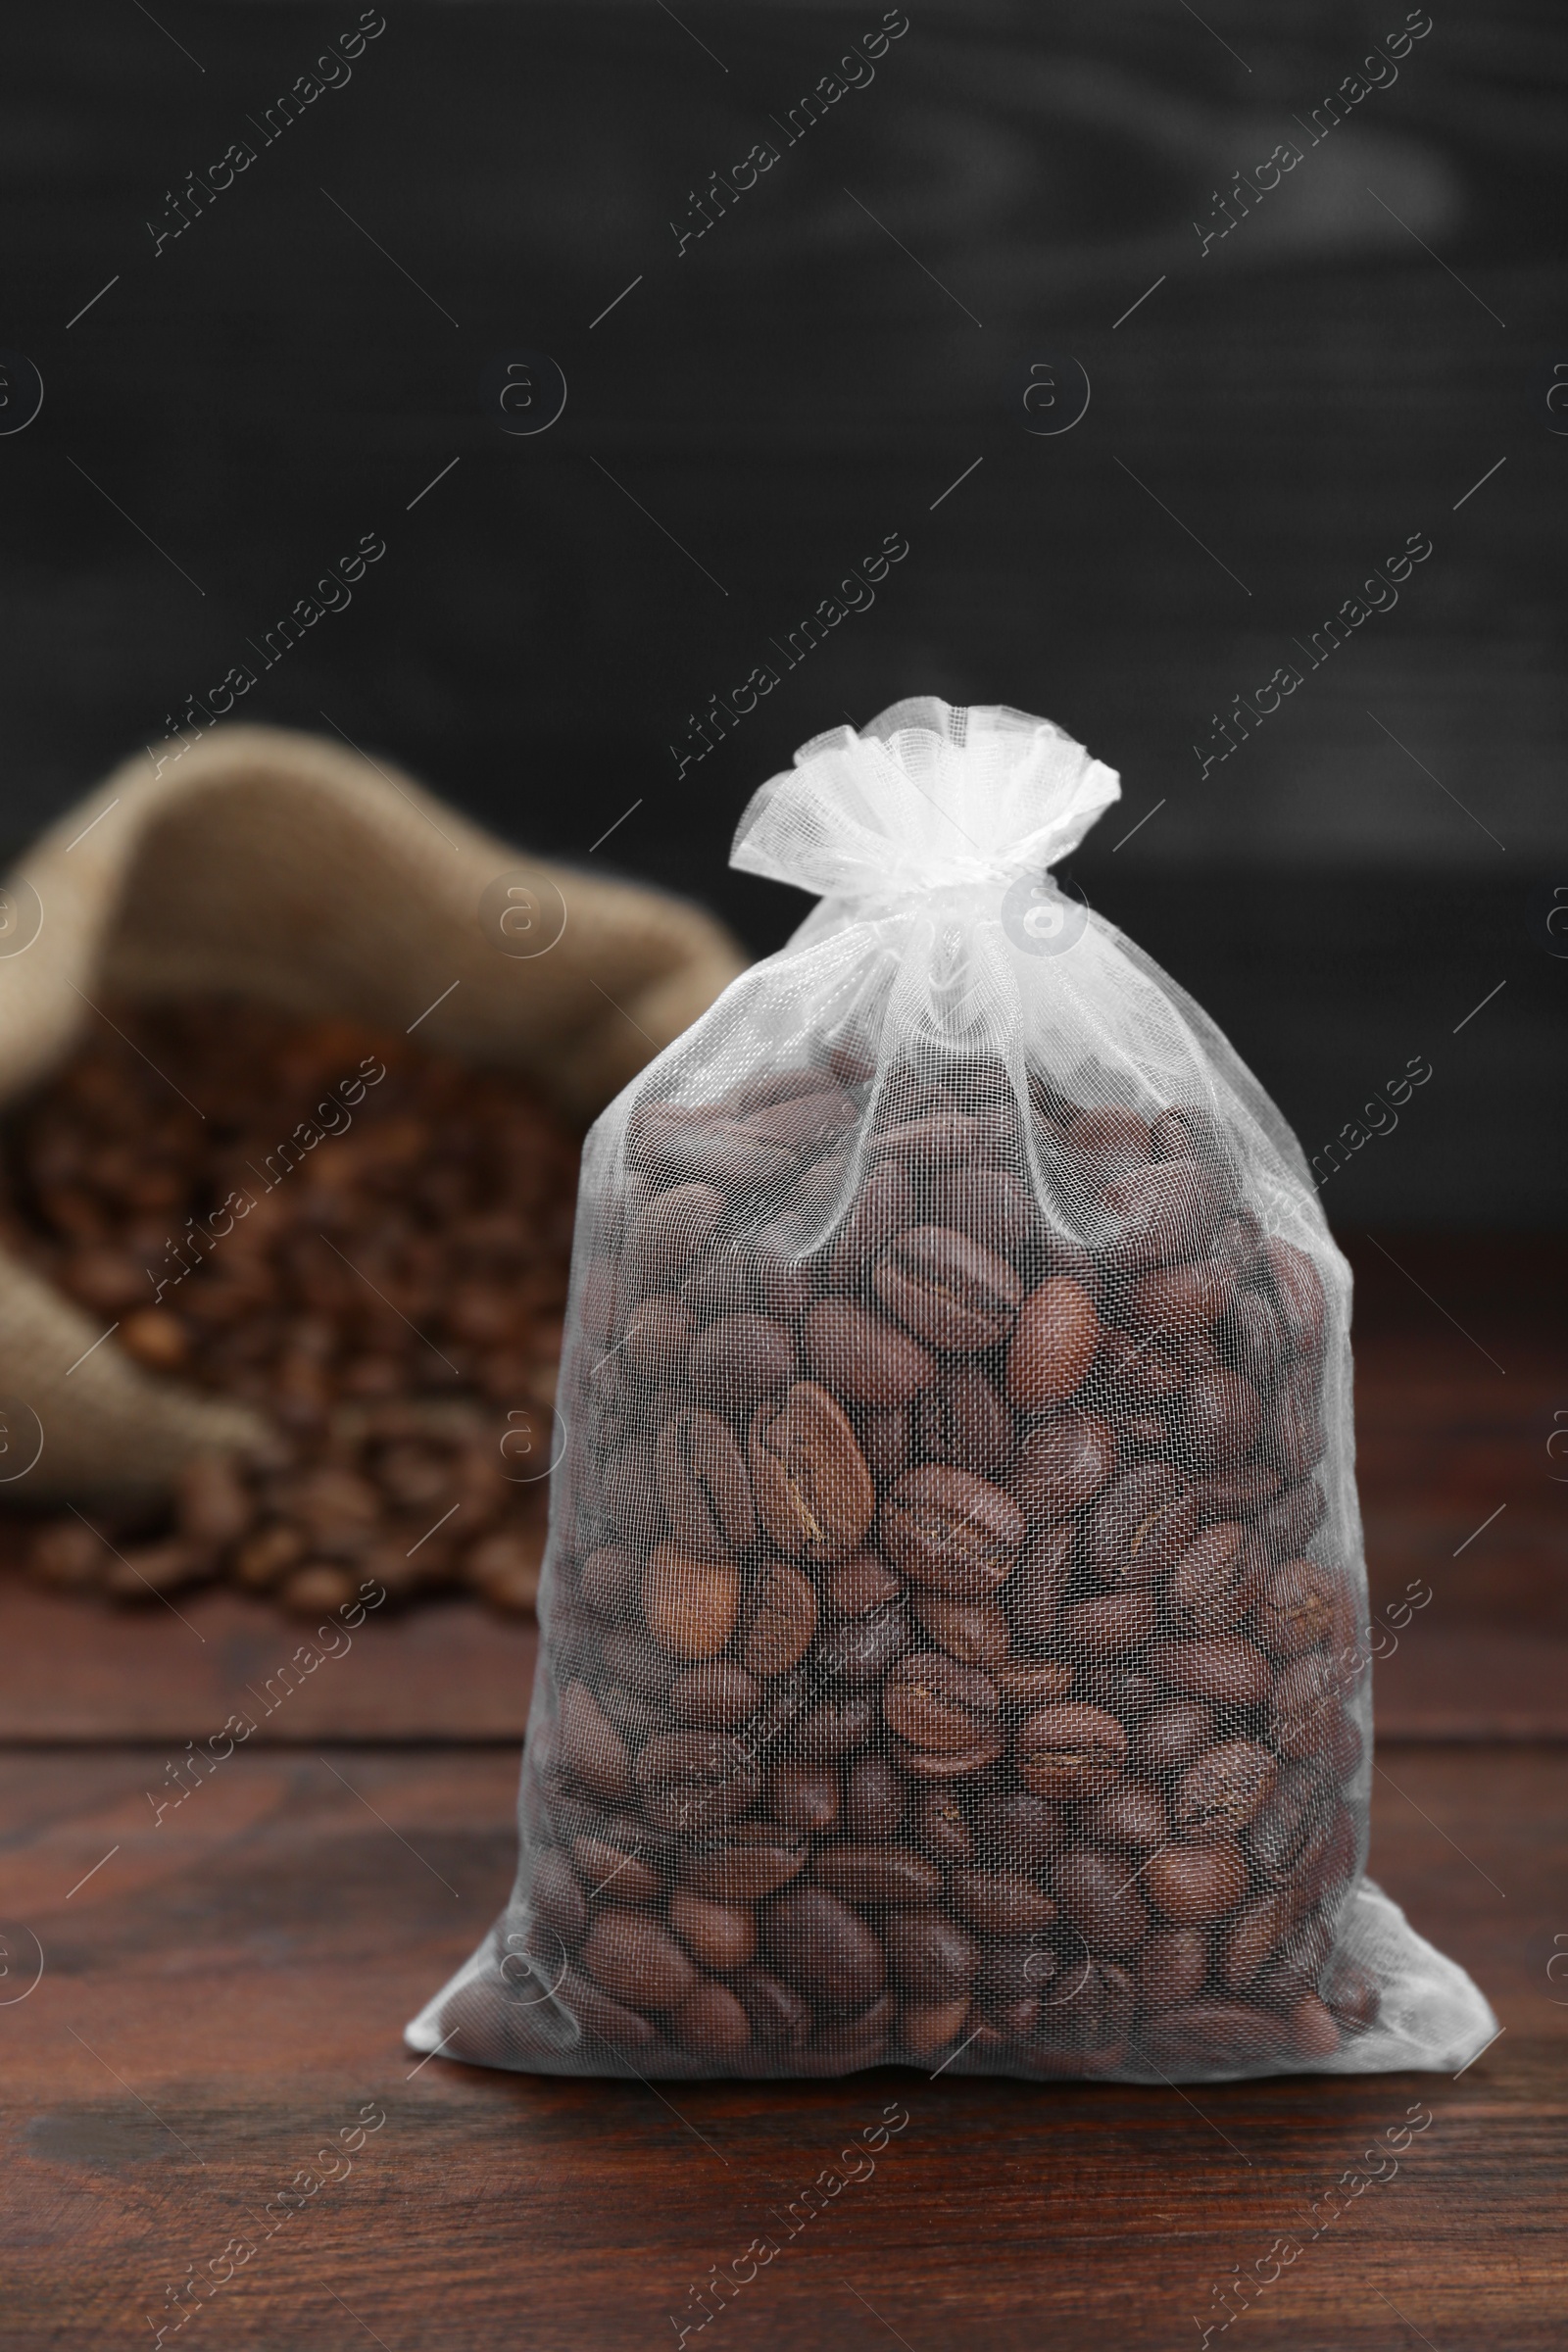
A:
<point x="75" y="1671"/>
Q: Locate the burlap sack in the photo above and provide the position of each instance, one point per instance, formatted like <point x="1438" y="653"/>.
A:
<point x="286" y="869"/>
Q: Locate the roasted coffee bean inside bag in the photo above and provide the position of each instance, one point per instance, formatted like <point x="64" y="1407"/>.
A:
<point x="954" y="1639"/>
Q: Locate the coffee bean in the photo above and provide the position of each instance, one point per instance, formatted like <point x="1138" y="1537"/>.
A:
<point x="1215" y="2034"/>
<point x="781" y="1622"/>
<point x="1353" y="1997"/>
<point x="1307" y="1719"/>
<point x="1028" y="1684"/>
<point x="1087" y="2017"/>
<point x="807" y="1122"/>
<point x="773" y="1086"/>
<point x="884" y="1438"/>
<point x="943" y="1138"/>
<point x="690" y="1605"/>
<point x="874" y="1799"/>
<point x="636" y="1960"/>
<point x="1297" y="1435"/>
<point x="1052" y="1346"/>
<point x="951" y="1531"/>
<point x="1100" y="1897"/>
<point x="963" y="1421"/>
<point x="615" y="1860"/>
<point x="1193" y="1884"/>
<point x="990" y="1205"/>
<point x="974" y="1632"/>
<point x="1107" y="1625"/>
<point x="1169" y="1298"/>
<point x="1071" y="1750"/>
<point x="1212" y="1584"/>
<point x="704" y="1485"/>
<point x="950" y="1290"/>
<point x="1228" y="1670"/>
<point x="742" y="1865"/>
<point x="1290" y="1831"/>
<point x="721" y="1936"/>
<point x="1219" y="1417"/>
<point x="839" y="1726"/>
<point x="687" y="1142"/>
<point x="1223" y="1791"/>
<point x="1111" y="1141"/>
<point x="929" y="1955"/>
<point x="1314" y="2030"/>
<point x="719" y="1696"/>
<point x="1286" y="1523"/>
<point x="1012" y="1827"/>
<point x="805" y="1796"/>
<point x="1299" y="1607"/>
<point x="877" y="1875"/>
<point x="212" y="1505"/>
<point x="711" y="2022"/>
<point x="71" y="1556"/>
<point x="1170" y="1737"/>
<point x="843" y="2045"/>
<point x="318" y="1589"/>
<point x="940" y="1827"/>
<point x="862" y="1649"/>
<point x="1135" y="1375"/>
<point x="927" y="2028"/>
<point x="933" y="1703"/>
<point x="1297" y="1288"/>
<point x="780" y="2019"/>
<point x="1248" y="1941"/>
<point x="556" y="1895"/>
<point x="589" y="1747"/>
<point x="883" y="1206"/>
<point x="1015" y="1969"/>
<point x="1141" y="1524"/>
<point x="1162" y="1212"/>
<point x="824" y="1948"/>
<point x="110" y="1280"/>
<point x="737" y="1359"/>
<point x="149" y="1570"/>
<point x="1005" y="1902"/>
<point x="613" y="2023"/>
<point x="629" y="1661"/>
<point x="765" y="1271"/>
<point x="862" y="1358"/>
<point x="1240" y="1491"/>
<point x="949" y="1764"/>
<point x="157" y="1339"/>
<point x="813" y="1488"/>
<point x="1131" y="1814"/>
<point x="863" y="1584"/>
<point x="637" y="1718"/>
<point x="674" y="1230"/>
<point x="1034" y="1591"/>
<point x="1172" y="1968"/>
<point x="690" y="1781"/>
<point x="1062" y="1463"/>
<point x="608" y="1581"/>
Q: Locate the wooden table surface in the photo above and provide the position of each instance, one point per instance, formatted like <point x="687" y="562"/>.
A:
<point x="221" y="1995"/>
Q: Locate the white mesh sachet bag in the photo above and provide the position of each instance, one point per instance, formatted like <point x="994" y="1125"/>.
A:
<point x="954" y="1625"/>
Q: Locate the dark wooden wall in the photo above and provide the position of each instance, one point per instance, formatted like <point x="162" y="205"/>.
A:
<point x="1283" y="411"/>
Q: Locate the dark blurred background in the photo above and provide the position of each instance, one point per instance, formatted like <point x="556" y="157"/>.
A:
<point x="1366" y="356"/>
